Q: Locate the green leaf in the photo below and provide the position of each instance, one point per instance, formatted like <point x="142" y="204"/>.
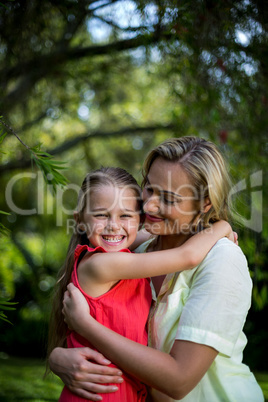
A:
<point x="4" y="231"/>
<point x="49" y="167"/>
<point x="5" y="305"/>
<point x="6" y="302"/>
<point x="3" y="5"/>
<point x="4" y="317"/>
<point x="7" y="308"/>
<point x="44" y="162"/>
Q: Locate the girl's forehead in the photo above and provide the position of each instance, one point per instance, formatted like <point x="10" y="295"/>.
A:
<point x="112" y="190"/>
<point x="109" y="196"/>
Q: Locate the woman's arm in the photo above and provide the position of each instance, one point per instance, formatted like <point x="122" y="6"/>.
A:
<point x="174" y="374"/>
<point x="84" y="371"/>
<point x="104" y="268"/>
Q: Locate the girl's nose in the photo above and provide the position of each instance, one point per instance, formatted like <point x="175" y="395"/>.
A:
<point x="113" y="224"/>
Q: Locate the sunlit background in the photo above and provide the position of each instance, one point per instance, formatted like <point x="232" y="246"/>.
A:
<point x="102" y="82"/>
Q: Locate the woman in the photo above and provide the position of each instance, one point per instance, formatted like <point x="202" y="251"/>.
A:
<point x="198" y="317"/>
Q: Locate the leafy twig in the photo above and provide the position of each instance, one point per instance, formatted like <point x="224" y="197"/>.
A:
<point x="50" y="168"/>
<point x="5" y="305"/>
<point x="3" y="230"/>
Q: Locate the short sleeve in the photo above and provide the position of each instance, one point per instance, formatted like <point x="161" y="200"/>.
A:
<point x="220" y="296"/>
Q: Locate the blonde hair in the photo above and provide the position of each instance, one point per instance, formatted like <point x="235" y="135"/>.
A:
<point x="116" y="177"/>
<point x="206" y="170"/>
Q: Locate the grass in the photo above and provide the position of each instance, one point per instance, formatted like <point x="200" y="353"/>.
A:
<point x="22" y="380"/>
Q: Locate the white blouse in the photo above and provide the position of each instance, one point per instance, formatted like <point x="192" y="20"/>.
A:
<point x="209" y="305"/>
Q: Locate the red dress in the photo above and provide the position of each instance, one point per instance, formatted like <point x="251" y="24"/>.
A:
<point x="124" y="309"/>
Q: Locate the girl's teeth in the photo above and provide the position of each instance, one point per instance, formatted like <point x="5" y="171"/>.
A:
<point x="113" y="239"/>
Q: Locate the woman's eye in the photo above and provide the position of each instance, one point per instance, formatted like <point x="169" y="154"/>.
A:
<point x="100" y="216"/>
<point x="168" y="202"/>
<point x="148" y="189"/>
<point x="126" y="216"/>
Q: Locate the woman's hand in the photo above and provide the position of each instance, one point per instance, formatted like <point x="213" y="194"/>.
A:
<point x="81" y="376"/>
<point x="75" y="308"/>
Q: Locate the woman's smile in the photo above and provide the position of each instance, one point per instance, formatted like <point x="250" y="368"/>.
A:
<point x="153" y="218"/>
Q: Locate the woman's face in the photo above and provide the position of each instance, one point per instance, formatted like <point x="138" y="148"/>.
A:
<point x="170" y="203"/>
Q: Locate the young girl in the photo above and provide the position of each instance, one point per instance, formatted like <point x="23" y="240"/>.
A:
<point x="107" y="217"/>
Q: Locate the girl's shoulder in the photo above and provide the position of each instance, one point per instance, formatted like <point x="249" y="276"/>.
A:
<point x="80" y="248"/>
<point x="83" y="251"/>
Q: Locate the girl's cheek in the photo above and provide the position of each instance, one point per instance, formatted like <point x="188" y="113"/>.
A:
<point x="98" y="227"/>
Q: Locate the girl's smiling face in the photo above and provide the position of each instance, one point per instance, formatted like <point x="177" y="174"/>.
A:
<point x="169" y="203"/>
<point x="111" y="217"/>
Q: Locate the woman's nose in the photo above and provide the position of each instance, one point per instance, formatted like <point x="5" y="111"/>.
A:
<point x="151" y="205"/>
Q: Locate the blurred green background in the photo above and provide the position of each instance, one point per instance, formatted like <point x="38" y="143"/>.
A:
<point x="102" y="82"/>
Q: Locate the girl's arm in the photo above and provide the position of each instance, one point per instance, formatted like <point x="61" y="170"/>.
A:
<point x="103" y="268"/>
<point x="174" y="374"/>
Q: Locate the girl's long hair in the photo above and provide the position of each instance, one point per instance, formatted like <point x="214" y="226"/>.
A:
<point x="112" y="176"/>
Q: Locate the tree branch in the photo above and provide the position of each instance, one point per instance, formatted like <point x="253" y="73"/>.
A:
<point x="45" y="65"/>
<point x="67" y="145"/>
<point x="104" y="5"/>
<point x="26" y="254"/>
<point x="48" y="62"/>
<point x="31" y="123"/>
<point x="116" y="26"/>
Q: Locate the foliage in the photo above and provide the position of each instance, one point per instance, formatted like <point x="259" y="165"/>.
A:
<point x="6" y="305"/>
<point x="49" y="168"/>
<point x="3" y="230"/>
<point x="102" y="83"/>
<point x="43" y="160"/>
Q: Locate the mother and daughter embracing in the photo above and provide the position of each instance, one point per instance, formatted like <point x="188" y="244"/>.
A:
<point x="166" y="304"/>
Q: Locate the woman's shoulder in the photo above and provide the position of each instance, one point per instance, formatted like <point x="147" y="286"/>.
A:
<point x="226" y="248"/>
<point x="226" y="262"/>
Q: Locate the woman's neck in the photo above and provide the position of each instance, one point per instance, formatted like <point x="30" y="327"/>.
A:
<point x="165" y="243"/>
<point x="170" y="241"/>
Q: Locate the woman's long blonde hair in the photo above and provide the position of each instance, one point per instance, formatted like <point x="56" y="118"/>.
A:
<point x="113" y="176"/>
<point x="206" y="170"/>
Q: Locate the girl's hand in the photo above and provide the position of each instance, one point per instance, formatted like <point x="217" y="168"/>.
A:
<point x="235" y="238"/>
<point x="75" y="308"/>
<point x="84" y="371"/>
<point x="230" y="234"/>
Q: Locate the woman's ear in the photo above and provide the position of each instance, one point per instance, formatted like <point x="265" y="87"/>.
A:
<point x="206" y="205"/>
